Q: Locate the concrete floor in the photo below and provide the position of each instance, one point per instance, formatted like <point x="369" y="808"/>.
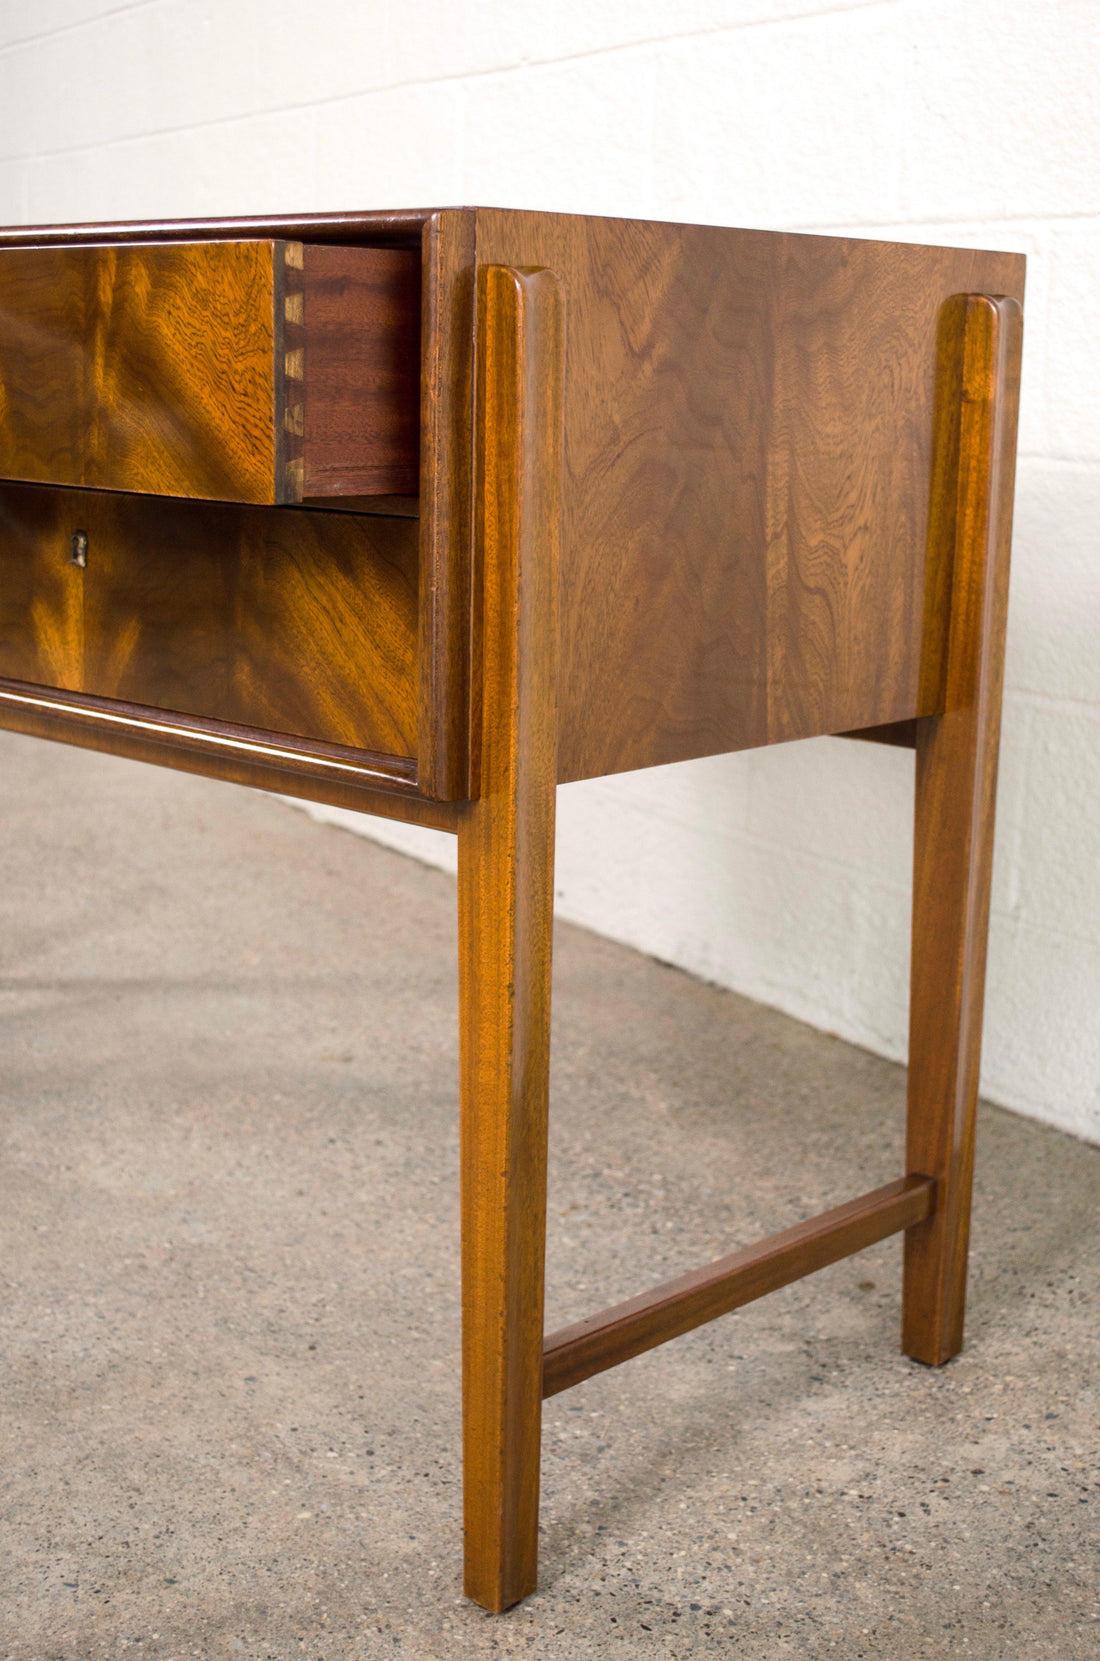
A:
<point x="229" y="1418"/>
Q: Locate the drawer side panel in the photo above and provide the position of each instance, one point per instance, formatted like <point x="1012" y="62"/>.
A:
<point x="361" y="345"/>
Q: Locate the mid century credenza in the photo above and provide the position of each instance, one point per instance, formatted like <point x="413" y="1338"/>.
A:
<point x="424" y="513"/>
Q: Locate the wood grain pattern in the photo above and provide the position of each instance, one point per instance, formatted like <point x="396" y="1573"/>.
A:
<point x="361" y="344"/>
<point x="41" y="592"/>
<point x="140" y="368"/>
<point x="316" y="772"/>
<point x="724" y="533"/>
<point x="255" y="372"/>
<point x="376" y="228"/>
<point x="787" y="475"/>
<point x="748" y="440"/>
<point x="592" y="1346"/>
<point x="292" y="621"/>
<point x="505" y="877"/>
<point x="446" y="504"/>
<point x="445" y="240"/>
<point x="971" y="523"/>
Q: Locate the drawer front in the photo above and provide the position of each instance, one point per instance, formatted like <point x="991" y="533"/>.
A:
<point x="297" y="621"/>
<point x="258" y="372"/>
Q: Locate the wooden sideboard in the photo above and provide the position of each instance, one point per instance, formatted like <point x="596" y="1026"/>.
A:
<point x="424" y="513"/>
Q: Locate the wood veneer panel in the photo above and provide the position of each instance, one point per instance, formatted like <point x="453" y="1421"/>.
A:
<point x="41" y="592"/>
<point x="259" y="371"/>
<point x="445" y="240"/>
<point x="294" y="621"/>
<point x="749" y="423"/>
<point x="149" y="368"/>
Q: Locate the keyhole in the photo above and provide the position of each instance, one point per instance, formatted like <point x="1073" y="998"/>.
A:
<point x="79" y="555"/>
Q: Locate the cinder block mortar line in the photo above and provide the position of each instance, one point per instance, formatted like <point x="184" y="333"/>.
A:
<point x="24" y="41"/>
<point x="384" y="88"/>
<point x="931" y="221"/>
<point x="747" y="842"/>
<point x="1055" y="936"/>
<point x="1068" y="464"/>
<point x="1029" y="698"/>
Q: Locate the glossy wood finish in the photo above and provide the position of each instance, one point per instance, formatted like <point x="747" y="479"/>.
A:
<point x="296" y="622"/>
<point x="238" y="371"/>
<point x="506" y="873"/>
<point x="979" y="368"/>
<point x="330" y="773"/>
<point x="150" y="368"/>
<point x="375" y="228"/>
<point x="41" y="592"/>
<point x="748" y="444"/>
<point x="738" y="568"/>
<point x="591" y="1346"/>
<point x="446" y="504"/>
<point x="770" y="476"/>
<point x="360" y="340"/>
<point x="444" y="238"/>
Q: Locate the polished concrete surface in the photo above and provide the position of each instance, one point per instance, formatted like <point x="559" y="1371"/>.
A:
<point x="229" y="1418"/>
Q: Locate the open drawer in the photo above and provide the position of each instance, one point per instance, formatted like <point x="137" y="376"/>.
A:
<point x="262" y="371"/>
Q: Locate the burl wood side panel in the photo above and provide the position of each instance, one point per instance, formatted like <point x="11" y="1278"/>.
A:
<point x="148" y="368"/>
<point x="296" y="622"/>
<point x="749" y="422"/>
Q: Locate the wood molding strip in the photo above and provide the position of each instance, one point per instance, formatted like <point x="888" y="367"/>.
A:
<point x="591" y="1346"/>
<point x="80" y="709"/>
<point x="402" y="228"/>
<point x="315" y="772"/>
<point x="505" y="927"/>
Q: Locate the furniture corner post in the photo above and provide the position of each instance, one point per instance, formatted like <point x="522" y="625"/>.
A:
<point x="956" y="776"/>
<point x="505" y="880"/>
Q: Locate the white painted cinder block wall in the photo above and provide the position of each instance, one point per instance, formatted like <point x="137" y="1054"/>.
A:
<point x="785" y="873"/>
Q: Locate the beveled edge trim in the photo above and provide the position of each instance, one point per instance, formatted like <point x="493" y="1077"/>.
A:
<point x="404" y="226"/>
<point x="200" y="733"/>
<point x="312" y="772"/>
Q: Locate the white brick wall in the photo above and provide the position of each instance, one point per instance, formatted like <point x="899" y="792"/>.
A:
<point x="783" y="873"/>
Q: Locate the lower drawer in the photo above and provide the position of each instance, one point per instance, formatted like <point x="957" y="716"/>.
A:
<point x="293" y="621"/>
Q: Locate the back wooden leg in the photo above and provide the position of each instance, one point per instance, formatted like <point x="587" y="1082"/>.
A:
<point x="506" y="877"/>
<point x="956" y="782"/>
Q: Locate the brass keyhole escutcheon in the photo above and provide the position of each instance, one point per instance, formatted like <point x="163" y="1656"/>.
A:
<point x="79" y="553"/>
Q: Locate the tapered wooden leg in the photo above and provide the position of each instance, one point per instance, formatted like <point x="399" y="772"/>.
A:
<point x="956" y="781"/>
<point x="505" y="876"/>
